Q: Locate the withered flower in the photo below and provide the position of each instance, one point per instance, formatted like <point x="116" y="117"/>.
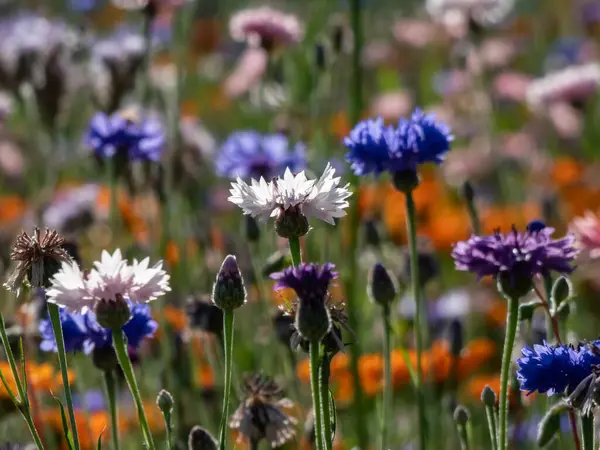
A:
<point x="38" y="258"/>
<point x="262" y="412"/>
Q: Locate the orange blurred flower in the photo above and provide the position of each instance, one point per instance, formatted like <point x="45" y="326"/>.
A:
<point x="496" y="313"/>
<point x="566" y="171"/>
<point x="504" y="217"/>
<point x="175" y="317"/>
<point x="12" y="208"/>
<point x="89" y="427"/>
<point x="447" y="226"/>
<point x="40" y="377"/>
<point x="340" y="125"/>
<point x="370" y="371"/>
<point x="205" y="377"/>
<point x="477" y="353"/>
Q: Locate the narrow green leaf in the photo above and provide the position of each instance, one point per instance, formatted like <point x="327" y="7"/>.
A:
<point x="99" y="444"/>
<point x="526" y="310"/>
<point x="23" y="374"/>
<point x="550" y="424"/>
<point x="333" y="415"/>
<point x="65" y="424"/>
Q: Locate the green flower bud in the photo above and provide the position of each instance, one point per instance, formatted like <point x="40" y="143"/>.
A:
<point x="313" y="320"/>
<point x="104" y="358"/>
<point x="291" y="223"/>
<point x="382" y="287"/>
<point x="461" y="415"/>
<point x="488" y="396"/>
<point x="165" y="401"/>
<point x="200" y="439"/>
<point x="229" y="292"/>
<point x="406" y="180"/>
<point x="561" y="291"/>
<point x="113" y="313"/>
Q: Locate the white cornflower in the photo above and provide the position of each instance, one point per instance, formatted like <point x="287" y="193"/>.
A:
<point x="484" y="12"/>
<point x="320" y="198"/>
<point x="111" y="276"/>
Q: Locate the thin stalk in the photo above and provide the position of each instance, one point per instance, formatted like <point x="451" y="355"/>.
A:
<point x="228" y="321"/>
<point x="512" y="320"/>
<point x="22" y="404"/>
<point x="314" y="348"/>
<point x="491" y="421"/>
<point x="254" y="444"/>
<point x="411" y="230"/>
<point x="64" y="369"/>
<point x="351" y="279"/>
<point x="295" y="251"/>
<point x="463" y="437"/>
<point x="387" y="375"/>
<point x="324" y="399"/>
<point x="169" y="429"/>
<point x="474" y="216"/>
<point x="111" y="395"/>
<point x="587" y="431"/>
<point x="125" y="363"/>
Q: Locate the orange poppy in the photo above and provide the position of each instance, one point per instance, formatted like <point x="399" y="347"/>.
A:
<point x="12" y="208"/>
<point x="566" y="171"/>
<point x="475" y="355"/>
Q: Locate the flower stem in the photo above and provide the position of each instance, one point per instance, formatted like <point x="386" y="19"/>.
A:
<point x="463" y="437"/>
<point x="474" y="216"/>
<point x="314" y="347"/>
<point x="491" y="420"/>
<point x="387" y="374"/>
<point x="22" y="404"/>
<point x="228" y="320"/>
<point x="295" y="251"/>
<point x="325" y="403"/>
<point x="411" y="230"/>
<point x="512" y="320"/>
<point x="62" y="360"/>
<point x="587" y="428"/>
<point x="111" y="394"/>
<point x="125" y="363"/>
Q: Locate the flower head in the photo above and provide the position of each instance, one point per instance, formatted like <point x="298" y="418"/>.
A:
<point x="483" y="12"/>
<point x="375" y="147"/>
<point x="320" y="198"/>
<point x="247" y="154"/>
<point x="112" y="276"/>
<point x="38" y="257"/>
<point x="554" y="369"/>
<point x="262" y="415"/>
<point x="587" y="233"/>
<point x="516" y="256"/>
<point x="269" y="26"/>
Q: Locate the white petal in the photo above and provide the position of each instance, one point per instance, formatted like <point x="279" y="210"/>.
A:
<point x="69" y="288"/>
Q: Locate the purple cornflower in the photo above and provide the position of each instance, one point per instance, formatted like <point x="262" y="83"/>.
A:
<point x="516" y="256"/>
<point x="554" y="369"/>
<point x="375" y="147"/>
<point x="122" y="133"/>
<point x="309" y="281"/>
<point x="248" y="154"/>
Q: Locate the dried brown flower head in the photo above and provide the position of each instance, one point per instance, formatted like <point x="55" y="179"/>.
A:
<point x="38" y="258"/>
<point x="262" y="413"/>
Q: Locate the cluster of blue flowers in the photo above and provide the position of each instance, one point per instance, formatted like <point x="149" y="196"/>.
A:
<point x="376" y="148"/>
<point x="248" y="154"/>
<point x="141" y="139"/>
<point x="84" y="333"/>
<point x="555" y="369"/>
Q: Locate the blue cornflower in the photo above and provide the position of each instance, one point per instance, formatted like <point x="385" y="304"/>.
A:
<point x="554" y="369"/>
<point x="136" y="138"/>
<point x="74" y="332"/>
<point x="248" y="154"/>
<point x="375" y="147"/>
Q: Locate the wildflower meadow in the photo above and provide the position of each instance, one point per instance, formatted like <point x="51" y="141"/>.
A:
<point x="299" y="224"/>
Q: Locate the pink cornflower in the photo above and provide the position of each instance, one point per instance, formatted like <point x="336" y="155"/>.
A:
<point x="267" y="25"/>
<point x="111" y="276"/>
<point x="248" y="72"/>
<point x="587" y="233"/>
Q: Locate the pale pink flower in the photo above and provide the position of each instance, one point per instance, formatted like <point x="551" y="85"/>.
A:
<point x="573" y="83"/>
<point x="511" y="86"/>
<point x="567" y="121"/>
<point x="497" y="52"/>
<point x="111" y="276"/>
<point x="392" y="105"/>
<point x="248" y="72"/>
<point x="269" y="25"/>
<point x="587" y="232"/>
<point x="416" y="33"/>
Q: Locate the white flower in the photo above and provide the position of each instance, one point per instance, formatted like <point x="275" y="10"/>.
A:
<point x="111" y="276"/>
<point x="485" y="12"/>
<point x="320" y="198"/>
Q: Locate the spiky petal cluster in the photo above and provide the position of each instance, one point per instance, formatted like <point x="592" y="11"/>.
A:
<point x="554" y="369"/>
<point x="112" y="276"/>
<point x="272" y="27"/>
<point x="320" y="198"/>
<point x="516" y="254"/>
<point x="375" y="148"/>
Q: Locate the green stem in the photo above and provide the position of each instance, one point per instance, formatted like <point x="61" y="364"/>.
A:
<point x="314" y="348"/>
<point x="125" y="363"/>
<point x="387" y="373"/>
<point x="324" y="399"/>
<point x="463" y="437"/>
<point x="587" y="431"/>
<point x="474" y="216"/>
<point x="111" y="394"/>
<point x="411" y="230"/>
<point x="22" y="404"/>
<point x="62" y="360"/>
<point x="295" y="251"/>
<point x="512" y="320"/>
<point x="491" y="420"/>
<point x="169" y="429"/>
<point x="228" y="320"/>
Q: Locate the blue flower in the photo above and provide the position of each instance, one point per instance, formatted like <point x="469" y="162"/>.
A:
<point x="375" y="147"/>
<point x="139" y="139"/>
<point x="309" y="281"/>
<point x="248" y="154"/>
<point x="74" y="332"/>
<point x="83" y="5"/>
<point x="554" y="369"/>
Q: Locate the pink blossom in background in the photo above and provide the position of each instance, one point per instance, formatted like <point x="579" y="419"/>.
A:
<point x="567" y="120"/>
<point x="587" y="232"/>
<point x="392" y="105"/>
<point x="511" y="86"/>
<point x="416" y="33"/>
<point x="268" y="24"/>
<point x="378" y="54"/>
<point x="573" y="83"/>
<point x="497" y="52"/>
<point x="248" y="72"/>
